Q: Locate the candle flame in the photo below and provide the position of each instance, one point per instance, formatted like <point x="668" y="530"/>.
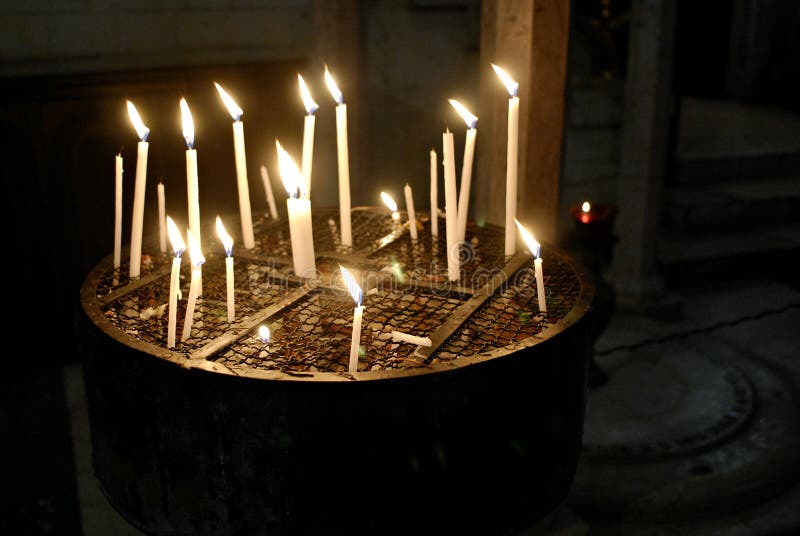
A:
<point x="308" y="101"/>
<point x="336" y="93"/>
<point x="509" y="82"/>
<point x="224" y="237"/>
<point x="534" y="246"/>
<point x="352" y="287"/>
<point x="290" y="173"/>
<point x="469" y="118"/>
<point x="586" y="207"/>
<point x="387" y="199"/>
<point x="187" y="123"/>
<point x="142" y="131"/>
<point x="195" y="254"/>
<point x="175" y="238"/>
<point x="264" y="334"/>
<point x="230" y="104"/>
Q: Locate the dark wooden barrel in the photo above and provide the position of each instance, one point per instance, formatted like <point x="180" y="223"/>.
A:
<point x="486" y="444"/>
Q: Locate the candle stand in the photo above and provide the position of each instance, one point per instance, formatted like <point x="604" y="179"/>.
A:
<point x="479" y="433"/>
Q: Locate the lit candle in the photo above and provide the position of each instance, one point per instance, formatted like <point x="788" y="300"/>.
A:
<point x="178" y="246"/>
<point x="299" y="207"/>
<point x="118" y="212"/>
<point x="358" y="313"/>
<point x="535" y="249"/>
<point x="264" y="334"/>
<point x="511" y="159"/>
<point x="192" y="188"/>
<point x="586" y="208"/>
<point x="241" y="167"/>
<point x="398" y="336"/>
<point x="308" y="135"/>
<point x="227" y="243"/>
<point x="412" y="219"/>
<point x="434" y="195"/>
<point x="451" y="207"/>
<point x="138" y="192"/>
<point x="391" y="205"/>
<point x="343" y="158"/>
<point x="162" y="213"/>
<point x="273" y="210"/>
<point x="466" y="168"/>
<point x="197" y="260"/>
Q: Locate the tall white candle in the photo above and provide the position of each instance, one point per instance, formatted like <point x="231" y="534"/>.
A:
<point x="451" y="206"/>
<point x="535" y="249"/>
<point x="412" y="218"/>
<point x="241" y="167"/>
<point x="117" y="211"/>
<point x="308" y="135"/>
<point x="343" y="158"/>
<point x="391" y="205"/>
<point x="162" y="224"/>
<point x="434" y="194"/>
<point x="273" y="210"/>
<point x="358" y="313"/>
<point x="138" y="191"/>
<point x="466" y="168"/>
<point x="192" y="188"/>
<point x="178" y="246"/>
<point x="511" y="159"/>
<point x="299" y="209"/>
<point x="197" y="259"/>
<point x="227" y="243"/>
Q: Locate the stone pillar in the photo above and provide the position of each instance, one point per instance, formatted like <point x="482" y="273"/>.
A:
<point x="529" y="39"/>
<point x="644" y="152"/>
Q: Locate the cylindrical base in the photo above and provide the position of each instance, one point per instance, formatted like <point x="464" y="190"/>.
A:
<point x="487" y="448"/>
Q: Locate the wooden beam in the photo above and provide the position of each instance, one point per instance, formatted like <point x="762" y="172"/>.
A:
<point x="530" y="40"/>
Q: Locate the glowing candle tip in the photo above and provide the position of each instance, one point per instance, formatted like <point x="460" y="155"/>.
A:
<point x="141" y="130"/>
<point x="469" y="118"/>
<point x="336" y="93"/>
<point x="586" y="207"/>
<point x="264" y="334"/>
<point x="233" y="108"/>
<point x="387" y="199"/>
<point x="224" y="237"/>
<point x="187" y="124"/>
<point x="352" y="287"/>
<point x="534" y="246"/>
<point x="308" y="101"/>
<point x="175" y="238"/>
<point x="290" y="173"/>
<point x="511" y="85"/>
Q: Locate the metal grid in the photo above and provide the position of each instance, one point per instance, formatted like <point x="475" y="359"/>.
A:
<point x="312" y="325"/>
<point x="425" y="259"/>
<point x="142" y="313"/>
<point x="273" y="237"/>
<point x="513" y="315"/>
<point x="314" y="335"/>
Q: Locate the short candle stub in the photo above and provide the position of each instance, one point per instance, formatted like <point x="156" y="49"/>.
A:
<point x="264" y="334"/>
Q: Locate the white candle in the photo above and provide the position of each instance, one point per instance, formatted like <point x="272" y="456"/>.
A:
<point x="197" y="259"/>
<point x="398" y="336"/>
<point x="358" y="313"/>
<point x="308" y="135"/>
<point x="412" y="219"/>
<point x="227" y="243"/>
<point x="299" y="208"/>
<point x="241" y="167"/>
<point x="118" y="212"/>
<point x="434" y="194"/>
<point x="192" y="188"/>
<point x="535" y="249"/>
<point x="264" y="334"/>
<point x="178" y="246"/>
<point x="138" y="192"/>
<point x="162" y="213"/>
<point x="391" y="205"/>
<point x="343" y="158"/>
<point x="273" y="210"/>
<point x="511" y="159"/>
<point x="466" y="168"/>
<point x="451" y="206"/>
